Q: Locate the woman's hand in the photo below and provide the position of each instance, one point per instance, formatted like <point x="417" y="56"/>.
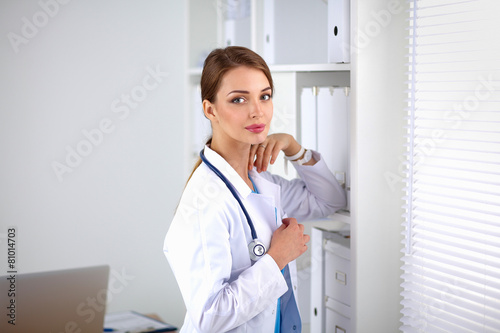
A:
<point x="288" y="242"/>
<point x="267" y="152"/>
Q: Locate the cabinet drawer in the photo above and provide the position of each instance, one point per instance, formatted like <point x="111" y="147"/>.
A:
<point x="337" y="277"/>
<point x="335" y="321"/>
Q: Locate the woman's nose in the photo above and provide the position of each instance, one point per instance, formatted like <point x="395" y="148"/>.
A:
<point x="257" y="110"/>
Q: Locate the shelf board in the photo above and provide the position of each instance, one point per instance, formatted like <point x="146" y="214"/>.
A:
<point x="311" y="68"/>
<point x="342" y="216"/>
<point x="196" y="71"/>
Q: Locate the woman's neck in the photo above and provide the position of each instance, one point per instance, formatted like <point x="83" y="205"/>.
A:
<point x="236" y="155"/>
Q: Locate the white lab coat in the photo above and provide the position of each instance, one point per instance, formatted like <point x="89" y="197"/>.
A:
<point x="207" y="243"/>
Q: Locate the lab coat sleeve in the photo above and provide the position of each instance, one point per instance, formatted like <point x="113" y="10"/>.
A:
<point x="199" y="252"/>
<point x="315" y="194"/>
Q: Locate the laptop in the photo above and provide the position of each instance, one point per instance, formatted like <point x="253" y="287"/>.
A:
<point x="63" y="301"/>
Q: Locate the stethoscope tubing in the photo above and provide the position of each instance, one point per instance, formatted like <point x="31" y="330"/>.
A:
<point x="233" y="191"/>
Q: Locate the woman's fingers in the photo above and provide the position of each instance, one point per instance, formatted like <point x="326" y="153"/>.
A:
<point x="288" y="242"/>
<point x="274" y="153"/>
<point x="265" y="153"/>
<point x="251" y="159"/>
<point x="259" y="155"/>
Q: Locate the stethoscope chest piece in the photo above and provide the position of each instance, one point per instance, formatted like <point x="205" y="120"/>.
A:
<point x="256" y="249"/>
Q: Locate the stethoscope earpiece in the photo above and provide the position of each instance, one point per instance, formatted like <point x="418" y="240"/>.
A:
<point x="256" y="248"/>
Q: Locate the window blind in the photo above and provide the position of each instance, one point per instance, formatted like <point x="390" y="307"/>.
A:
<point x="451" y="262"/>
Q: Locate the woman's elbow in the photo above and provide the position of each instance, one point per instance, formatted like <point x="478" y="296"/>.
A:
<point x="208" y="322"/>
<point x="338" y="202"/>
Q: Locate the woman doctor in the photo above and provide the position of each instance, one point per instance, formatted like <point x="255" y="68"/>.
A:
<point x="210" y="244"/>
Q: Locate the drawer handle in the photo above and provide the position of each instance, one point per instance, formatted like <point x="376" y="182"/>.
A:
<point x="341" y="277"/>
<point x="339" y="329"/>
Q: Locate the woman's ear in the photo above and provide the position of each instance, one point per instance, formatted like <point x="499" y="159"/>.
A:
<point x="208" y="109"/>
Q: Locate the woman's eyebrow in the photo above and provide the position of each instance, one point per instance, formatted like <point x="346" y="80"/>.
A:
<point x="245" y="91"/>
<point x="238" y="92"/>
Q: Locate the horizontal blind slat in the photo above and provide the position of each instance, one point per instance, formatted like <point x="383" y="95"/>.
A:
<point x="475" y="312"/>
<point x="494" y="183"/>
<point x="447" y="315"/>
<point x="458" y="169"/>
<point x="453" y="238"/>
<point x="460" y="264"/>
<point x="487" y="223"/>
<point x="469" y="232"/>
<point x="446" y="194"/>
<point x="468" y="290"/>
<point x="471" y="257"/>
<point x="426" y="262"/>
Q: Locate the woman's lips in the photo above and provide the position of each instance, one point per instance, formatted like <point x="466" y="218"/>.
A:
<point x="257" y="128"/>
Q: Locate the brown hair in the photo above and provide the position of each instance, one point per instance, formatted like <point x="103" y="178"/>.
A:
<point x="218" y="63"/>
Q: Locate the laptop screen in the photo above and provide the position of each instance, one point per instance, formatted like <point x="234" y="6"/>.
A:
<point x="63" y="301"/>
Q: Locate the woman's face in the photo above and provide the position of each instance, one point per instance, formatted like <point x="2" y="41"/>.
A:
<point x="243" y="108"/>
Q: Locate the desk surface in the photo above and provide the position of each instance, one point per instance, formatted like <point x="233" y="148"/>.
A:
<point x="156" y="317"/>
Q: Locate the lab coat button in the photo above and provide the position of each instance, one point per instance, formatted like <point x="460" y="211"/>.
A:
<point x="294" y="327"/>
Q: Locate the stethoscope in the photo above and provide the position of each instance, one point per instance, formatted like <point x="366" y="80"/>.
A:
<point x="255" y="247"/>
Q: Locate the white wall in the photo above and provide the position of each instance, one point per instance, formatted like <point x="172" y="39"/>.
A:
<point x="64" y="68"/>
<point x="378" y="100"/>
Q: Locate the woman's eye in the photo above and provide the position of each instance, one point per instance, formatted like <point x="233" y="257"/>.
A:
<point x="266" y="97"/>
<point x="238" y="100"/>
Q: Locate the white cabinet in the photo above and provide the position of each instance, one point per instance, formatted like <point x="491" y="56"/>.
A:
<point x="331" y="281"/>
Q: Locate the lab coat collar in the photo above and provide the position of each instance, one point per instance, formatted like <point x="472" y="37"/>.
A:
<point x="227" y="170"/>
